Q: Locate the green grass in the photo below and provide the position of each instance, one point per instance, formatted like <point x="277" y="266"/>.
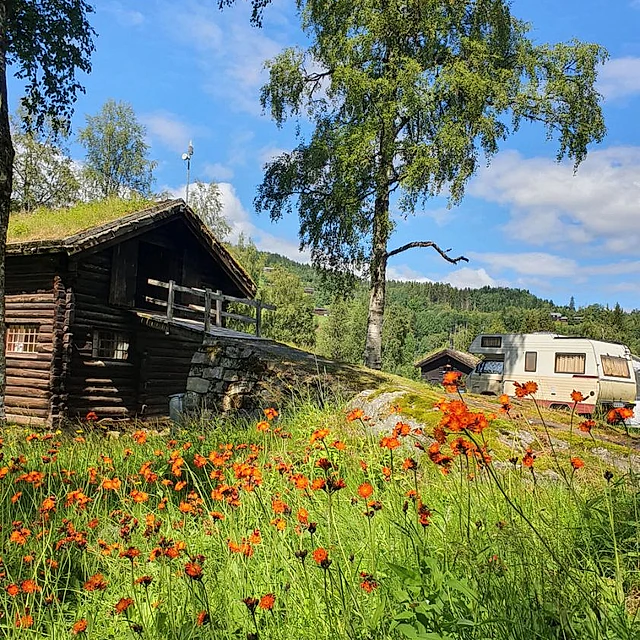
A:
<point x="47" y="224"/>
<point x="499" y="555"/>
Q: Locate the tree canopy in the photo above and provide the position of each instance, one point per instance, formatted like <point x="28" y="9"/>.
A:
<point x="405" y="98"/>
<point x="116" y="162"/>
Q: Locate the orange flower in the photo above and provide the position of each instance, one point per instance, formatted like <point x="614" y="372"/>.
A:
<point x="505" y="404"/>
<point x="528" y="459"/>
<point x="389" y="443"/>
<point x="202" y="618"/>
<point x="339" y="445"/>
<point x="368" y="582"/>
<point x="318" y="434"/>
<point x="16" y="496"/>
<point x="145" y="581"/>
<point x="279" y="506"/>
<point x="92" y="416"/>
<point x="365" y="490"/>
<point x="262" y="426"/>
<point x="267" y="601"/>
<point x="451" y="381"/>
<point x="577" y="463"/>
<point x="255" y="537"/>
<point x="111" y="484"/>
<point x="526" y="389"/>
<point x="13" y="590"/>
<point x="270" y="413"/>
<point x="140" y="437"/>
<point x="24" y="621"/>
<point x="587" y="425"/>
<point x="193" y="570"/>
<point x="620" y="414"/>
<point x="20" y="535"/>
<point x="279" y="524"/>
<point x="576" y="396"/>
<point x="321" y="558"/>
<point x="299" y="481"/>
<point x="30" y="586"/>
<point x="79" y="627"/>
<point x="355" y="414"/>
<point x="123" y="604"/>
<point x="139" y="496"/>
<point x="302" y="516"/>
<point x="95" y="583"/>
<point x="410" y="464"/>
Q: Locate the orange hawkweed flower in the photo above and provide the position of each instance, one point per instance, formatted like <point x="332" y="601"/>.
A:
<point x="451" y="381"/>
<point x="20" y="535"/>
<point x="355" y="414"/>
<point x="302" y="516"/>
<point x="299" y="481"/>
<point x="368" y="583"/>
<point x="587" y="425"/>
<point x="79" y="627"/>
<point x="267" y="601"/>
<point x="389" y="442"/>
<point x="145" y="581"/>
<point x="262" y="426"/>
<point x="528" y="458"/>
<point x="577" y="463"/>
<point x="92" y="416"/>
<point x="526" y="389"/>
<point x="505" y="405"/>
<point x="15" y="497"/>
<point x="123" y="604"/>
<point x="321" y="558"/>
<point x="140" y="437"/>
<point x="111" y="484"/>
<point x="24" y="621"/>
<point x="95" y="583"/>
<point x="193" y="570"/>
<point x="30" y="586"/>
<point x="620" y="414"/>
<point x="279" y="506"/>
<point x="318" y="435"/>
<point x="139" y="496"/>
<point x="365" y="490"/>
<point x="279" y="523"/>
<point x="13" y="590"/>
<point x="270" y="413"/>
<point x="202" y="618"/>
<point x="576" y="396"/>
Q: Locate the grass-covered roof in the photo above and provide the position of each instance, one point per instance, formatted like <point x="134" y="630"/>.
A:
<point x="50" y="224"/>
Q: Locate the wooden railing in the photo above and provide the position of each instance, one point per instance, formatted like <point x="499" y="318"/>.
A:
<point x="212" y="311"/>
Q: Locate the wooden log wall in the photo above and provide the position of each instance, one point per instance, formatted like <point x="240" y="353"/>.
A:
<point x="108" y="387"/>
<point x="165" y="361"/>
<point x="30" y="299"/>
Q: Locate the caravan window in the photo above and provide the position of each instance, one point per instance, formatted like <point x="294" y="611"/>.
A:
<point x="490" y="366"/>
<point x="491" y="341"/>
<point x="530" y="360"/>
<point x="614" y="366"/>
<point x="570" y="362"/>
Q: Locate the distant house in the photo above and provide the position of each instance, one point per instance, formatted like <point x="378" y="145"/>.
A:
<point x="435" y="365"/>
<point x="79" y="337"/>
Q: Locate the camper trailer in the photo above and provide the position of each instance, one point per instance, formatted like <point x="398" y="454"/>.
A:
<point x="601" y="371"/>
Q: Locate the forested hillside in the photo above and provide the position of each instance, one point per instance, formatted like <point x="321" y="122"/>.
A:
<point x="420" y="317"/>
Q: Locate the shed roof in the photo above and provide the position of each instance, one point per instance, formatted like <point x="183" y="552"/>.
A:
<point x="120" y="224"/>
<point x="460" y="356"/>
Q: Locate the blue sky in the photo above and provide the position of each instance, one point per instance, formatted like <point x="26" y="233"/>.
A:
<point x="193" y="72"/>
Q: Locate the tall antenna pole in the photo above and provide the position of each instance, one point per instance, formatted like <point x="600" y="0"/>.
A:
<point x="187" y="158"/>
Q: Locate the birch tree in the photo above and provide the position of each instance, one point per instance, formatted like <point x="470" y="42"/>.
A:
<point x="405" y="98"/>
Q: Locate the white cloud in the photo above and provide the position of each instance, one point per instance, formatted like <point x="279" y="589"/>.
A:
<point x="125" y="17"/>
<point x="620" y="77"/>
<point x="217" y="172"/>
<point x="549" y="205"/>
<point x="405" y="273"/>
<point x="269" y="153"/>
<point x="528" y="263"/>
<point x="169" y="130"/>
<point x="471" y="278"/>
<point x="230" y="52"/>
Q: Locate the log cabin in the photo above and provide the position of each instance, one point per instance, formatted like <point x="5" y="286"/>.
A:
<point x="78" y="338"/>
<point x="435" y="365"/>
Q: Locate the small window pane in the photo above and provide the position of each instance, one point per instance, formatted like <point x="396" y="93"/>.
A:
<point x="530" y="360"/>
<point x="491" y="341"/>
<point x="110" y="345"/>
<point x="22" y="338"/>
<point x="617" y="367"/>
<point x="570" y="362"/>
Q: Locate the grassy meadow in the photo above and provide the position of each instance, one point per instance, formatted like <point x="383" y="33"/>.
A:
<point x="310" y="524"/>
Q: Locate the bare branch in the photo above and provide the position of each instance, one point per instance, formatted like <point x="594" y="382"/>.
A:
<point x="442" y="252"/>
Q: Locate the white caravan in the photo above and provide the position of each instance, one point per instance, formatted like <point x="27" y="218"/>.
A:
<point x="601" y="371"/>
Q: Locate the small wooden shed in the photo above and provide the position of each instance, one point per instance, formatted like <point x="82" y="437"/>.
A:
<point x="435" y="365"/>
<point x="76" y="309"/>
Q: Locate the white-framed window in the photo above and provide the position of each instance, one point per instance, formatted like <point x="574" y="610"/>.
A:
<point x="110" y="345"/>
<point x="615" y="366"/>
<point x="570" y="362"/>
<point x="22" y="338"/>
